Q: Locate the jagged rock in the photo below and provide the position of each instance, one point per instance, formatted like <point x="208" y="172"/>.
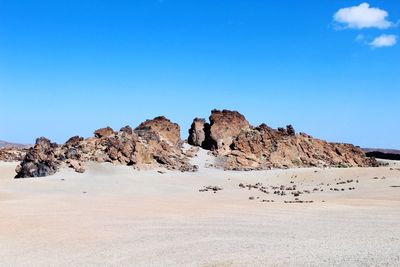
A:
<point x="239" y="146"/>
<point x="197" y="135"/>
<point x="103" y="132"/>
<point x="163" y="128"/>
<point x="282" y="130"/>
<point x="155" y="143"/>
<point x="126" y="129"/>
<point x="290" y="130"/>
<point x="121" y="147"/>
<point x="41" y="160"/>
<point x="219" y="134"/>
<point x="225" y="125"/>
<point x="74" y="140"/>
<point x="9" y="154"/>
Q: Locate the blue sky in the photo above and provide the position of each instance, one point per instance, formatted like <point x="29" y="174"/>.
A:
<point x="70" y="67"/>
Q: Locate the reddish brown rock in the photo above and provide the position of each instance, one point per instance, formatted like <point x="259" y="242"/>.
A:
<point x="239" y="146"/>
<point x="103" y="132"/>
<point x="9" y="154"/>
<point x="76" y="165"/>
<point x="154" y="143"/>
<point x="265" y="148"/>
<point x="163" y="128"/>
<point x="219" y="134"/>
<point x="225" y="126"/>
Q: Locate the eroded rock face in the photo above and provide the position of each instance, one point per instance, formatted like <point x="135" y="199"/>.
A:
<point x="197" y="136"/>
<point x="41" y="160"/>
<point x="225" y="126"/>
<point x="220" y="133"/>
<point x="154" y="143"/>
<point x="163" y="128"/>
<point x="240" y="146"/>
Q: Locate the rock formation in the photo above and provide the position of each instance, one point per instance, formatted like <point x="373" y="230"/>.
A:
<point x="163" y="128"/>
<point x="240" y="146"/>
<point x="103" y="132"/>
<point x="157" y="143"/>
<point x="41" y="160"/>
<point x="12" y="151"/>
<point x="154" y="143"/>
<point x="225" y="125"/>
<point x="12" y="154"/>
<point x="197" y="131"/>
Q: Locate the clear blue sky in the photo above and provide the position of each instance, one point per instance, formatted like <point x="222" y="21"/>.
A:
<point x="69" y="67"/>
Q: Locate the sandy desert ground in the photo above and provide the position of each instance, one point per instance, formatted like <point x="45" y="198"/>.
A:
<point x="117" y="216"/>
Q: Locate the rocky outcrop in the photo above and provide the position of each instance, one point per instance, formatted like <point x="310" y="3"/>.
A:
<point x="163" y="128"/>
<point x="12" y="151"/>
<point x="197" y="136"/>
<point x="225" y="125"/>
<point x="103" y="132"/>
<point x="154" y="143"/>
<point x="290" y="130"/>
<point x="157" y="143"/>
<point x="240" y="146"/>
<point x="41" y="160"/>
<point x="9" y="154"/>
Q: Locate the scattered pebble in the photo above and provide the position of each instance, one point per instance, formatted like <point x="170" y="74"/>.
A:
<point x="298" y="201"/>
<point x="211" y="188"/>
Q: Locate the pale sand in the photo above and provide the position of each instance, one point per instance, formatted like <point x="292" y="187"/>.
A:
<point x="132" y="218"/>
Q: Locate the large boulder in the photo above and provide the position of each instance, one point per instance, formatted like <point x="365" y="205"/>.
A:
<point x="104" y="132"/>
<point x="197" y="132"/>
<point x="41" y="160"/>
<point x="163" y="128"/>
<point x="219" y="134"/>
<point x="225" y="126"/>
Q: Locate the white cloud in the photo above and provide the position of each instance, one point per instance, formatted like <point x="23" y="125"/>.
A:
<point x="362" y="16"/>
<point x="384" y="41"/>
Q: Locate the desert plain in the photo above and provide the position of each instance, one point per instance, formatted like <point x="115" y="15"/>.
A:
<point x="118" y="216"/>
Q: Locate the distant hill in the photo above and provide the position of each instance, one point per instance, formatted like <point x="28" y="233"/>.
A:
<point x="4" y="144"/>
<point x="380" y="153"/>
<point x="383" y="150"/>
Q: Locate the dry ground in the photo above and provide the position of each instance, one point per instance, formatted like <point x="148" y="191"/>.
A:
<point x="117" y="216"/>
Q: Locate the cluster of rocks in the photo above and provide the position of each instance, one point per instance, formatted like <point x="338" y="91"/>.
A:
<point x="214" y="189"/>
<point x="298" y="201"/>
<point x="9" y="154"/>
<point x="292" y="193"/>
<point x="154" y="143"/>
<point x="281" y="190"/>
<point x="240" y="146"/>
<point x="157" y="143"/>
